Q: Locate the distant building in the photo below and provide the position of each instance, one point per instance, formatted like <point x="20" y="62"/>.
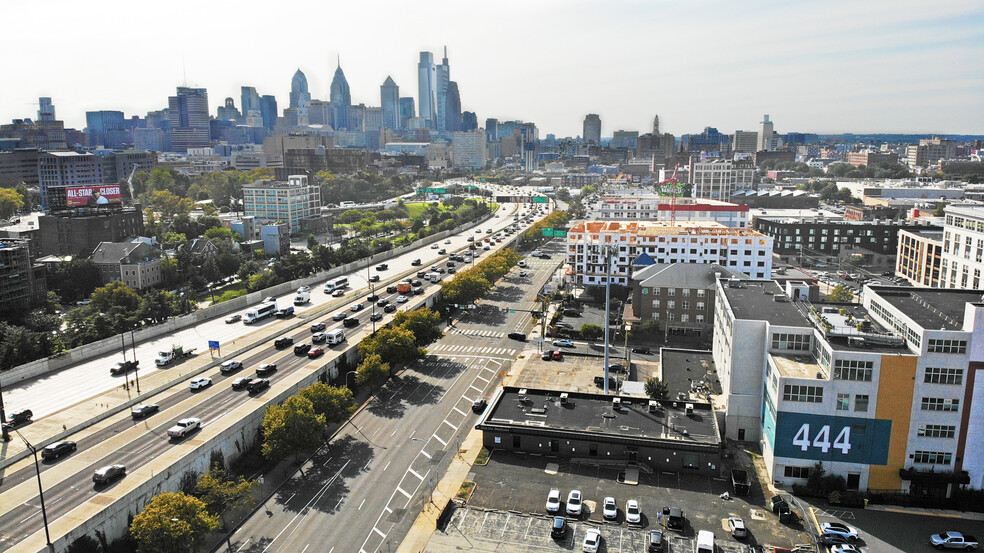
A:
<point x="407" y="111"/>
<point x="228" y="112"/>
<point x="308" y="161"/>
<point x="469" y="121"/>
<point x="189" y="116"/>
<point x="275" y="238"/>
<point x="929" y="151"/>
<point x="763" y="156"/>
<point x="648" y="208"/>
<point x="920" y="257"/>
<point x="869" y="158"/>
<point x="77" y="234"/>
<point x="443" y="74"/>
<point x="389" y="94"/>
<point x="289" y="202"/>
<point x="776" y="199"/>
<point x="136" y="264"/>
<point x="19" y="166"/>
<point x="745" y="142"/>
<point x="963" y="247"/>
<point x="106" y="128"/>
<point x="529" y="139"/>
<point x="766" y="136"/>
<point x="452" y="108"/>
<point x="16" y="274"/>
<point x="58" y="171"/>
<point x="300" y="97"/>
<point x="716" y="179"/>
<point x="341" y="100"/>
<point x="625" y="139"/>
<point x="468" y="149"/>
<point x="427" y="88"/>
<point x="592" y="129"/>
<point x="44" y="135"/>
<point x="710" y="140"/>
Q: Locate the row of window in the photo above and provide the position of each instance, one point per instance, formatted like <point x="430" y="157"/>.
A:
<point x="932" y="457"/>
<point x="936" y="345"/>
<point x="939" y="404"/>
<point x="797" y="342"/>
<point x="683" y="305"/>
<point x="937" y="431"/>
<point x="943" y="375"/>
<point x="852" y="369"/>
<point x="808" y="394"/>
<point x="860" y="402"/>
<point x="684" y="317"/>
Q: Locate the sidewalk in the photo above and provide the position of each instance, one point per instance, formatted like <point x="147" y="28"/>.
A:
<point x="946" y="513"/>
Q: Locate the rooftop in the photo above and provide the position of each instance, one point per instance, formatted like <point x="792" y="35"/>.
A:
<point x="928" y="234"/>
<point x="821" y="220"/>
<point x="756" y="300"/>
<point x="654" y="228"/>
<point x="930" y="308"/>
<point x="796" y="366"/>
<point x="966" y="210"/>
<point x="593" y="414"/>
<point x="683" y="369"/>
<point x="683" y="275"/>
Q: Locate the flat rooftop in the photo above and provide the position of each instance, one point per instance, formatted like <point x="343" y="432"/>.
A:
<point x="930" y="308"/>
<point x="681" y="369"/>
<point x="593" y="414"/>
<point x="797" y="366"/>
<point x="755" y="300"/>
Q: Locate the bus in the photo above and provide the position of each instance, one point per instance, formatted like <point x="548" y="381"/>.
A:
<point x="346" y="204"/>
<point x="336" y="284"/>
<point x="265" y="310"/>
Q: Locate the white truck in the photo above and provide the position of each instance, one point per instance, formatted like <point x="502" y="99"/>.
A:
<point x="175" y="353"/>
<point x="264" y="310"/>
<point x="953" y="540"/>
<point x="302" y="298"/>
<point x="184" y="427"/>
<point x="433" y="277"/>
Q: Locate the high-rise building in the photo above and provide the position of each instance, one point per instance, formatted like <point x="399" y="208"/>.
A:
<point x="717" y="178"/>
<point x="443" y="89"/>
<point x="656" y="125"/>
<point x="341" y="100"/>
<point x="491" y="130"/>
<point x="592" y="129"/>
<point x="766" y="137"/>
<point x="105" y="128"/>
<point x="710" y="140"/>
<point x="625" y="139"/>
<point x="291" y="202"/>
<point x="228" y="112"/>
<point x="299" y="95"/>
<point x="188" y="112"/>
<point x="427" y="88"/>
<point x="58" y="171"/>
<point x="46" y="110"/>
<point x="15" y="275"/>
<point x="389" y="95"/>
<point x="251" y="106"/>
<point x="407" y="112"/>
<point x="319" y="112"/>
<point x="46" y="133"/>
<point x="468" y="149"/>
<point x="452" y="108"/>
<point x="469" y="121"/>
<point x="963" y="247"/>
<point x="529" y="140"/>
<point x="268" y="111"/>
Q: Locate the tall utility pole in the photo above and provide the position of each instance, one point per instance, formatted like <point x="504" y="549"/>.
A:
<point x="607" y="251"/>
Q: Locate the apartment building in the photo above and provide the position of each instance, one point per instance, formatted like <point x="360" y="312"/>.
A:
<point x="739" y="249"/>
<point x="136" y="264"/>
<point x="716" y="179"/>
<point x="885" y="393"/>
<point x="656" y="208"/>
<point x="963" y="247"/>
<point x="290" y="202"/>
<point x="920" y="257"/>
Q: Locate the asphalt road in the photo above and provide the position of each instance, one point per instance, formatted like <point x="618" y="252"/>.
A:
<point x="363" y="491"/>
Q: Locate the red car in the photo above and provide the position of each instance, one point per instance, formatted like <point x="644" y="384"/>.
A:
<point x="558" y="356"/>
<point x="315" y="352"/>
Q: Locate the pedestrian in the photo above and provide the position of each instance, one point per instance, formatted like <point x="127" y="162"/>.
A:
<point x="659" y="517"/>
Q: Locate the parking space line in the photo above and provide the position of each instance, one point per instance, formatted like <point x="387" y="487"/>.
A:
<point x="449" y="424"/>
<point x="486" y="380"/>
<point x="460" y="412"/>
<point x="378" y="532"/>
<point x="425" y="454"/>
<point x="439" y="439"/>
<point x="415" y="473"/>
<point x="401" y="490"/>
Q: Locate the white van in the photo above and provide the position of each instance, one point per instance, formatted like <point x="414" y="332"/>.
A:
<point x="705" y="542"/>
<point x="336" y="336"/>
<point x="433" y="277"/>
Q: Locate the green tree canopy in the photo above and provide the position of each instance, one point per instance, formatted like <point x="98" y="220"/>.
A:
<point x="291" y="428"/>
<point x="173" y="523"/>
<point x="591" y="332"/>
<point x="424" y="323"/>
<point x="333" y="402"/>
<point x="221" y="493"/>
<point x="394" y="344"/>
<point x="840" y="294"/>
<point x="372" y="371"/>
<point x="656" y="388"/>
<point x="11" y="202"/>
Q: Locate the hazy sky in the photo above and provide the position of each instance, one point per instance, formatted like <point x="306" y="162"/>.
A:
<point x="832" y="66"/>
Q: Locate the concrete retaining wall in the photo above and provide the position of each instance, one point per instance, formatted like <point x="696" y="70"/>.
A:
<point x="107" y="345"/>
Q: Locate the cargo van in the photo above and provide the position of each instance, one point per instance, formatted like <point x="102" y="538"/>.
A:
<point x="333" y="337"/>
<point x="705" y="542"/>
<point x="433" y="277"/>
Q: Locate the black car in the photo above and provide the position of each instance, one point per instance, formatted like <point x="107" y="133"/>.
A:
<point x="108" y="474"/>
<point x="835" y="539"/>
<point x="58" y="449"/>
<point x="392" y="289"/>
<point x="559" y="529"/>
<point x="674" y="518"/>
<point x="479" y="405"/>
<point x="266" y="369"/>
<point x="641" y="350"/>
<point x="547" y="355"/>
<point x="655" y="541"/>
<point x="257" y="385"/>
<point x="145" y="410"/>
<point x="390" y="308"/>
<point x="281" y="343"/>
<point x="418" y="291"/>
<point x="517" y="336"/>
<point x="417" y="284"/>
<point x="415" y="262"/>
<point x="351" y="322"/>
<point x="375" y="316"/>
<point x="451" y="270"/>
<point x="240" y="383"/>
<point x="302" y="349"/>
<point x="374" y="278"/>
<point x="421" y="274"/>
<point x="318" y="327"/>
<point x="372" y="298"/>
<point x="382" y="267"/>
<point x="600" y="382"/>
<point x="20" y="416"/>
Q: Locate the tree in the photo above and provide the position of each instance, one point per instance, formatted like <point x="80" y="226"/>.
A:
<point x="311" y="241"/>
<point x="115" y="295"/>
<point x="333" y="402"/>
<point x="221" y="493"/>
<point x="76" y="279"/>
<point x="371" y="371"/>
<point x="423" y="323"/>
<point x="221" y="234"/>
<point x="11" y="202"/>
<point x="84" y="544"/>
<point x="173" y="523"/>
<point x="656" y="388"/>
<point x="591" y="332"/>
<point x="840" y="294"/>
<point x="396" y="345"/>
<point x="291" y="428"/>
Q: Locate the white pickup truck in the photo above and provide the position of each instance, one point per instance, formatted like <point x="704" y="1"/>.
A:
<point x="184" y="427"/>
<point x="953" y="540"/>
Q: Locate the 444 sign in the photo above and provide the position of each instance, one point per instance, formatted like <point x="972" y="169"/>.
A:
<point x="821" y="439"/>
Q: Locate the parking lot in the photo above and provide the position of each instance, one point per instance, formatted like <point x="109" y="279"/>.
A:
<point x="508" y="506"/>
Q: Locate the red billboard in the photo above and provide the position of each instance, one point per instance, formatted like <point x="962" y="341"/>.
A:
<point x="93" y="195"/>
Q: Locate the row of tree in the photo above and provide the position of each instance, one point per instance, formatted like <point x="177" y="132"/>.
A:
<point x="473" y="283"/>
<point x="534" y="235"/>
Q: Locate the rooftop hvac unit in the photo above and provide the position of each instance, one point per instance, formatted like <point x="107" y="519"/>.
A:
<point x="563" y="398"/>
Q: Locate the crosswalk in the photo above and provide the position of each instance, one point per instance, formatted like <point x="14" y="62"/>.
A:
<point x="475" y="332"/>
<point x="473" y="350"/>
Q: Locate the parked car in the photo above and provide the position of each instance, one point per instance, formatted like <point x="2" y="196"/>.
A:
<point x="201" y="383"/>
<point x="145" y="410"/>
<point x="57" y="449"/>
<point x="558" y="356"/>
<point x="553" y="501"/>
<point x="479" y="405"/>
<point x="737" y="527"/>
<point x="844" y="548"/>
<point x="641" y="349"/>
<point x="633" y="514"/>
<point x="285" y="342"/>
<point x="953" y="540"/>
<point x="592" y="539"/>
<point x="558" y="530"/>
<point x="109" y="473"/>
<point x="266" y="369"/>
<point x="609" y="509"/>
<point x="655" y="541"/>
<point x="834" y="539"/>
<point x="574" y="506"/>
<point x="547" y="355"/>
<point x="233" y="319"/>
<point x="840" y="529"/>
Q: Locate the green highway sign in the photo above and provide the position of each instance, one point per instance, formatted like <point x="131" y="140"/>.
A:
<point x="548" y="231"/>
<point x="539" y="199"/>
<point x="560" y="234"/>
<point x="551" y="232"/>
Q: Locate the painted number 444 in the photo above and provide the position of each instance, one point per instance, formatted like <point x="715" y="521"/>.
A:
<point x="822" y="439"/>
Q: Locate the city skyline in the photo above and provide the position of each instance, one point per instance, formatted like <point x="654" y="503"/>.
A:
<point x="810" y="67"/>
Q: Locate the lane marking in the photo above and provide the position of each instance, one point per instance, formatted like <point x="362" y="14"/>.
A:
<point x="378" y="532"/>
<point x="361" y="504"/>
<point x="387" y="465"/>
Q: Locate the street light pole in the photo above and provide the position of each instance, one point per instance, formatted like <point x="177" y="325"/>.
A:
<point x="37" y="468"/>
<point x="606" y="250"/>
<point x="3" y="419"/>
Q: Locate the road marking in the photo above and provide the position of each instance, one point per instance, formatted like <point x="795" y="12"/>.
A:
<point x="415" y="473"/>
<point x="425" y="454"/>
<point x="378" y="532"/>
<point x="460" y="412"/>
<point x="289" y="498"/>
<point x="486" y="380"/>
<point x="309" y="503"/>
<point x="305" y="548"/>
<point x="328" y="461"/>
<point x="361" y="504"/>
<point x="401" y="490"/>
<point x="466" y="398"/>
<point x="340" y="499"/>
<point x="387" y="509"/>
<point x="247" y="543"/>
<point x="387" y="465"/>
<point x="472" y="386"/>
<point x="438" y="439"/>
<point x="449" y="424"/>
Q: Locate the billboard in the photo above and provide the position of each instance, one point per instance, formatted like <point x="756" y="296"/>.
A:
<point x="829" y="438"/>
<point x="77" y="196"/>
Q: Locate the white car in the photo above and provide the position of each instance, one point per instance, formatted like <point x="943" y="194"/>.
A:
<point x="434" y="246"/>
<point x="592" y="539"/>
<point x="401" y="299"/>
<point x="200" y="383"/>
<point x="447" y="241"/>
<point x="633" y="514"/>
<point x="610" y="509"/>
<point x="840" y="529"/>
<point x="737" y="527"/>
<point x="845" y="548"/>
<point x="553" y="501"/>
<point x="303" y="289"/>
<point x="574" y="505"/>
<point x="564" y="343"/>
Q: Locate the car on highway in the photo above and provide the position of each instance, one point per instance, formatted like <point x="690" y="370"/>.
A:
<point x="416" y="262"/>
<point x="184" y="427"/>
<point x="57" y="449"/>
<point x="383" y="302"/>
<point x="233" y="319"/>
<point x="285" y="342"/>
<point x="145" y="410"/>
<point x="447" y="241"/>
<point x="402" y="299"/>
<point x="374" y="278"/>
<point x="119" y="368"/>
<point x="375" y="317"/>
<point x="553" y="501"/>
<point x="108" y="473"/>
<point x="442" y="251"/>
<point x="257" y="385"/>
<point x="201" y="383"/>
<point x="338" y="293"/>
<point x="564" y="343"/>
<point x="737" y="527"/>
<point x="574" y="499"/>
<point x="230" y="366"/>
<point x="840" y="529"/>
<point x="319" y="337"/>
<point x="356" y="307"/>
<point x="592" y="540"/>
<point x="266" y="369"/>
<point x="389" y="308"/>
<point x="609" y="509"/>
<point x="417" y="284"/>
<point x="303" y="289"/>
<point x="240" y="383"/>
<point x="633" y="514"/>
<point x="302" y="349"/>
<point x="314" y="352"/>
<point x="382" y="267"/>
<point x="339" y="316"/>
<point x="471" y="238"/>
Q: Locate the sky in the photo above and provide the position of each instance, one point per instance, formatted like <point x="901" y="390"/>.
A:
<point x="899" y="66"/>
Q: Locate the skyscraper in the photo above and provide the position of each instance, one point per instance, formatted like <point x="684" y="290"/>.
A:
<point x="443" y="86"/>
<point x="341" y="100"/>
<point x="389" y="95"/>
<point x="407" y="111"/>
<point x="105" y="128"/>
<point x="228" y="112"/>
<point x="452" y="108"/>
<point x="592" y="129"/>
<point x="656" y="125"/>
<point x="268" y="110"/>
<point x="299" y="95"/>
<point x="427" y="87"/>
<point x="251" y="106"/>
<point x="528" y="139"/>
<point x="46" y="110"/>
<point x="469" y="121"/>
<point x="491" y="129"/>
<point x="766" y="135"/>
<point x="188" y="114"/>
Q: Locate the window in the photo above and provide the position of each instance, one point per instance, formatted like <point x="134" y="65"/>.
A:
<point x="808" y="394"/>
<point x="671" y="291"/>
<point x="685" y="305"/>
<point x="843" y="402"/>
<point x="932" y="457"/>
<point x="943" y="375"/>
<point x="851" y="369"/>
<point x="655" y="315"/>
<point x="947" y="346"/>
<point x="940" y="404"/>
<point x="671" y="304"/>
<point x="656" y="291"/>
<point x="671" y="316"/>
<point x="861" y="403"/>
<point x="937" y="431"/>
<point x="796" y="472"/>
<point x="700" y="306"/>
<point x="700" y="318"/>
<point x="686" y="292"/>
<point x="798" y="342"/>
<point x="655" y="304"/>
<point x="701" y="291"/>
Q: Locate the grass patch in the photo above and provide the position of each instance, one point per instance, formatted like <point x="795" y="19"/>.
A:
<point x="416" y="210"/>
<point x="229" y="295"/>
<point x="483" y="457"/>
<point x="465" y="491"/>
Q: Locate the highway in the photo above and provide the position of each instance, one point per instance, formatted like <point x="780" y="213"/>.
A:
<point x="120" y="440"/>
<point x="362" y="491"/>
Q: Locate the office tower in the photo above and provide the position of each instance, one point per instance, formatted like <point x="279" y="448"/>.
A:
<point x="251" y="107"/>
<point x="407" y="111"/>
<point x="268" y="111"/>
<point x="491" y="129"/>
<point x="299" y="95"/>
<point x="443" y="85"/>
<point x="427" y="87"/>
<point x="592" y="129"/>
<point x="469" y="121"/>
<point x="452" y="108"/>
<point x="105" y="128"/>
<point x="62" y="173"/>
<point x="188" y="112"/>
<point x="341" y="100"/>
<point x="468" y="149"/>
<point x="528" y="138"/>
<point x="228" y="112"/>
<point x="319" y="112"/>
<point x="766" y="135"/>
<point x="625" y="139"/>
<point x="745" y="141"/>
<point x="656" y="125"/>
<point x="46" y="110"/>
<point x="389" y="95"/>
